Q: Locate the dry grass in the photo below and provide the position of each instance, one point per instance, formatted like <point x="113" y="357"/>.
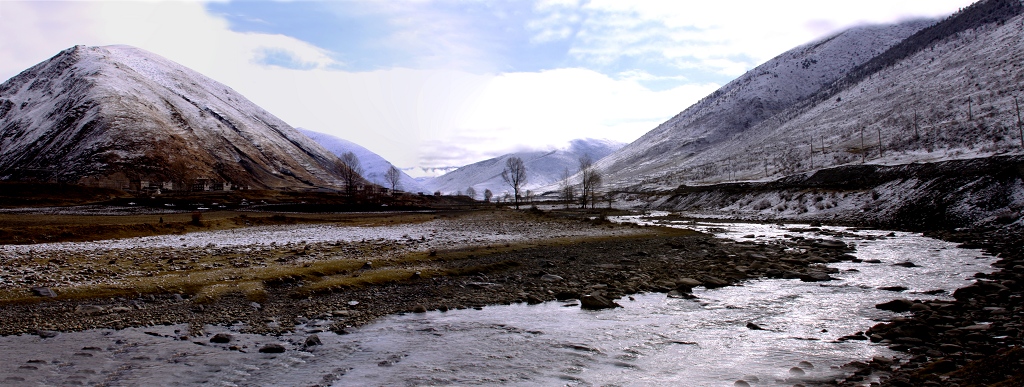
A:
<point x="288" y="269"/>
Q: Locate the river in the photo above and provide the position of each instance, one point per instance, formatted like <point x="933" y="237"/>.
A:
<point x="652" y="340"/>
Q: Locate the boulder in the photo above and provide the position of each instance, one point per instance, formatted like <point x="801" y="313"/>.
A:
<point x="43" y="292"/>
<point x="221" y="338"/>
<point x="596" y="302"/>
<point x="89" y="310"/>
<point x="829" y="244"/>
<point x="272" y="348"/>
<point x="312" y="340"/>
<point x="897" y="305"/>
<point x="978" y="289"/>
<point x="816" y="276"/>
<point x="710" y="282"/>
<point x="551" y="278"/>
<point x="687" y="283"/>
<point x="566" y="295"/>
<point x="754" y="327"/>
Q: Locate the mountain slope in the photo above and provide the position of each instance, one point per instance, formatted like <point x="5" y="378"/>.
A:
<point x="374" y="166"/>
<point x="108" y="115"/>
<point x="543" y="168"/>
<point x="947" y="92"/>
<point x="749" y="100"/>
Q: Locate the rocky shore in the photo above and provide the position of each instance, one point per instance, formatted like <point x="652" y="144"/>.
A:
<point x="593" y="270"/>
<point x="974" y="340"/>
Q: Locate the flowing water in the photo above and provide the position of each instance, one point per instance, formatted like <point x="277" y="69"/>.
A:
<point x="652" y="340"/>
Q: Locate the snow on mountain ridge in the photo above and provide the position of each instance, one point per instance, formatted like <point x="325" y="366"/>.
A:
<point x="106" y="115"/>
<point x="947" y="92"/>
<point x="750" y="99"/>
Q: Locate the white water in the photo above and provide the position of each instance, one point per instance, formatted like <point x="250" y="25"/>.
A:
<point x="653" y="340"/>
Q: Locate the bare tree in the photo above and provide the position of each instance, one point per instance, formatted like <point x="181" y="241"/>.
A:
<point x="567" y="188"/>
<point x="393" y="176"/>
<point x="590" y="179"/>
<point x="488" y="195"/>
<point x="471" y="192"/>
<point x="514" y="175"/>
<point x="351" y="172"/>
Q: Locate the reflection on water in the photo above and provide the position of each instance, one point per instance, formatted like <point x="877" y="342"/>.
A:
<point x="653" y="340"/>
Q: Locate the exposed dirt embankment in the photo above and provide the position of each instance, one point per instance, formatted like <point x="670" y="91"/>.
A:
<point x="975" y="193"/>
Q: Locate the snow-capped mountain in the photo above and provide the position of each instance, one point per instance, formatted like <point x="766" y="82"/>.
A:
<point x="374" y="166"/>
<point x="543" y="168"/>
<point x="119" y="115"/>
<point x="916" y="91"/>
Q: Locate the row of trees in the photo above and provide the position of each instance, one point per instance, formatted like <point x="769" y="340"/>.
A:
<point x="590" y="177"/>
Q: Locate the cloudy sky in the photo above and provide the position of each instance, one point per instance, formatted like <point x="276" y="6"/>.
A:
<point x="435" y="83"/>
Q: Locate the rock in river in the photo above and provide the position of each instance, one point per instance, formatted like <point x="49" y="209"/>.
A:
<point x="595" y="302"/>
<point x="221" y="338"/>
<point x="272" y="348"/>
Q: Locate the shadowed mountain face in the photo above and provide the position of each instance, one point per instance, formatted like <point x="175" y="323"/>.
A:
<point x="114" y="114"/>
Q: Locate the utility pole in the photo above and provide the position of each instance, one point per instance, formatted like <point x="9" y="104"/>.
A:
<point x="812" y="153"/>
<point x="880" y="152"/>
<point x="863" y="150"/>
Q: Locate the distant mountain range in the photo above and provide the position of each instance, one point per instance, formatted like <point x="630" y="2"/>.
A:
<point x="543" y="168"/>
<point x="119" y="116"/>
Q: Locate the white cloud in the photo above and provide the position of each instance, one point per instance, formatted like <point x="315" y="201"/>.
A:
<point x="712" y="35"/>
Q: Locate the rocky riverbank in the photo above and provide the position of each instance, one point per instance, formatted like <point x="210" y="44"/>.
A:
<point x="974" y="340"/>
<point x="603" y="266"/>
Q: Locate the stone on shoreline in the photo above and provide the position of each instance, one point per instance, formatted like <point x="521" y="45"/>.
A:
<point x="898" y="305"/>
<point x="43" y="292"/>
<point x="816" y="276"/>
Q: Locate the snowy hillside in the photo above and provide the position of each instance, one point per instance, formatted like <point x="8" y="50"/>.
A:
<point x="374" y="167"/>
<point x="543" y="168"/>
<point x="752" y="98"/>
<point x="947" y="92"/>
<point x="119" y="116"/>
